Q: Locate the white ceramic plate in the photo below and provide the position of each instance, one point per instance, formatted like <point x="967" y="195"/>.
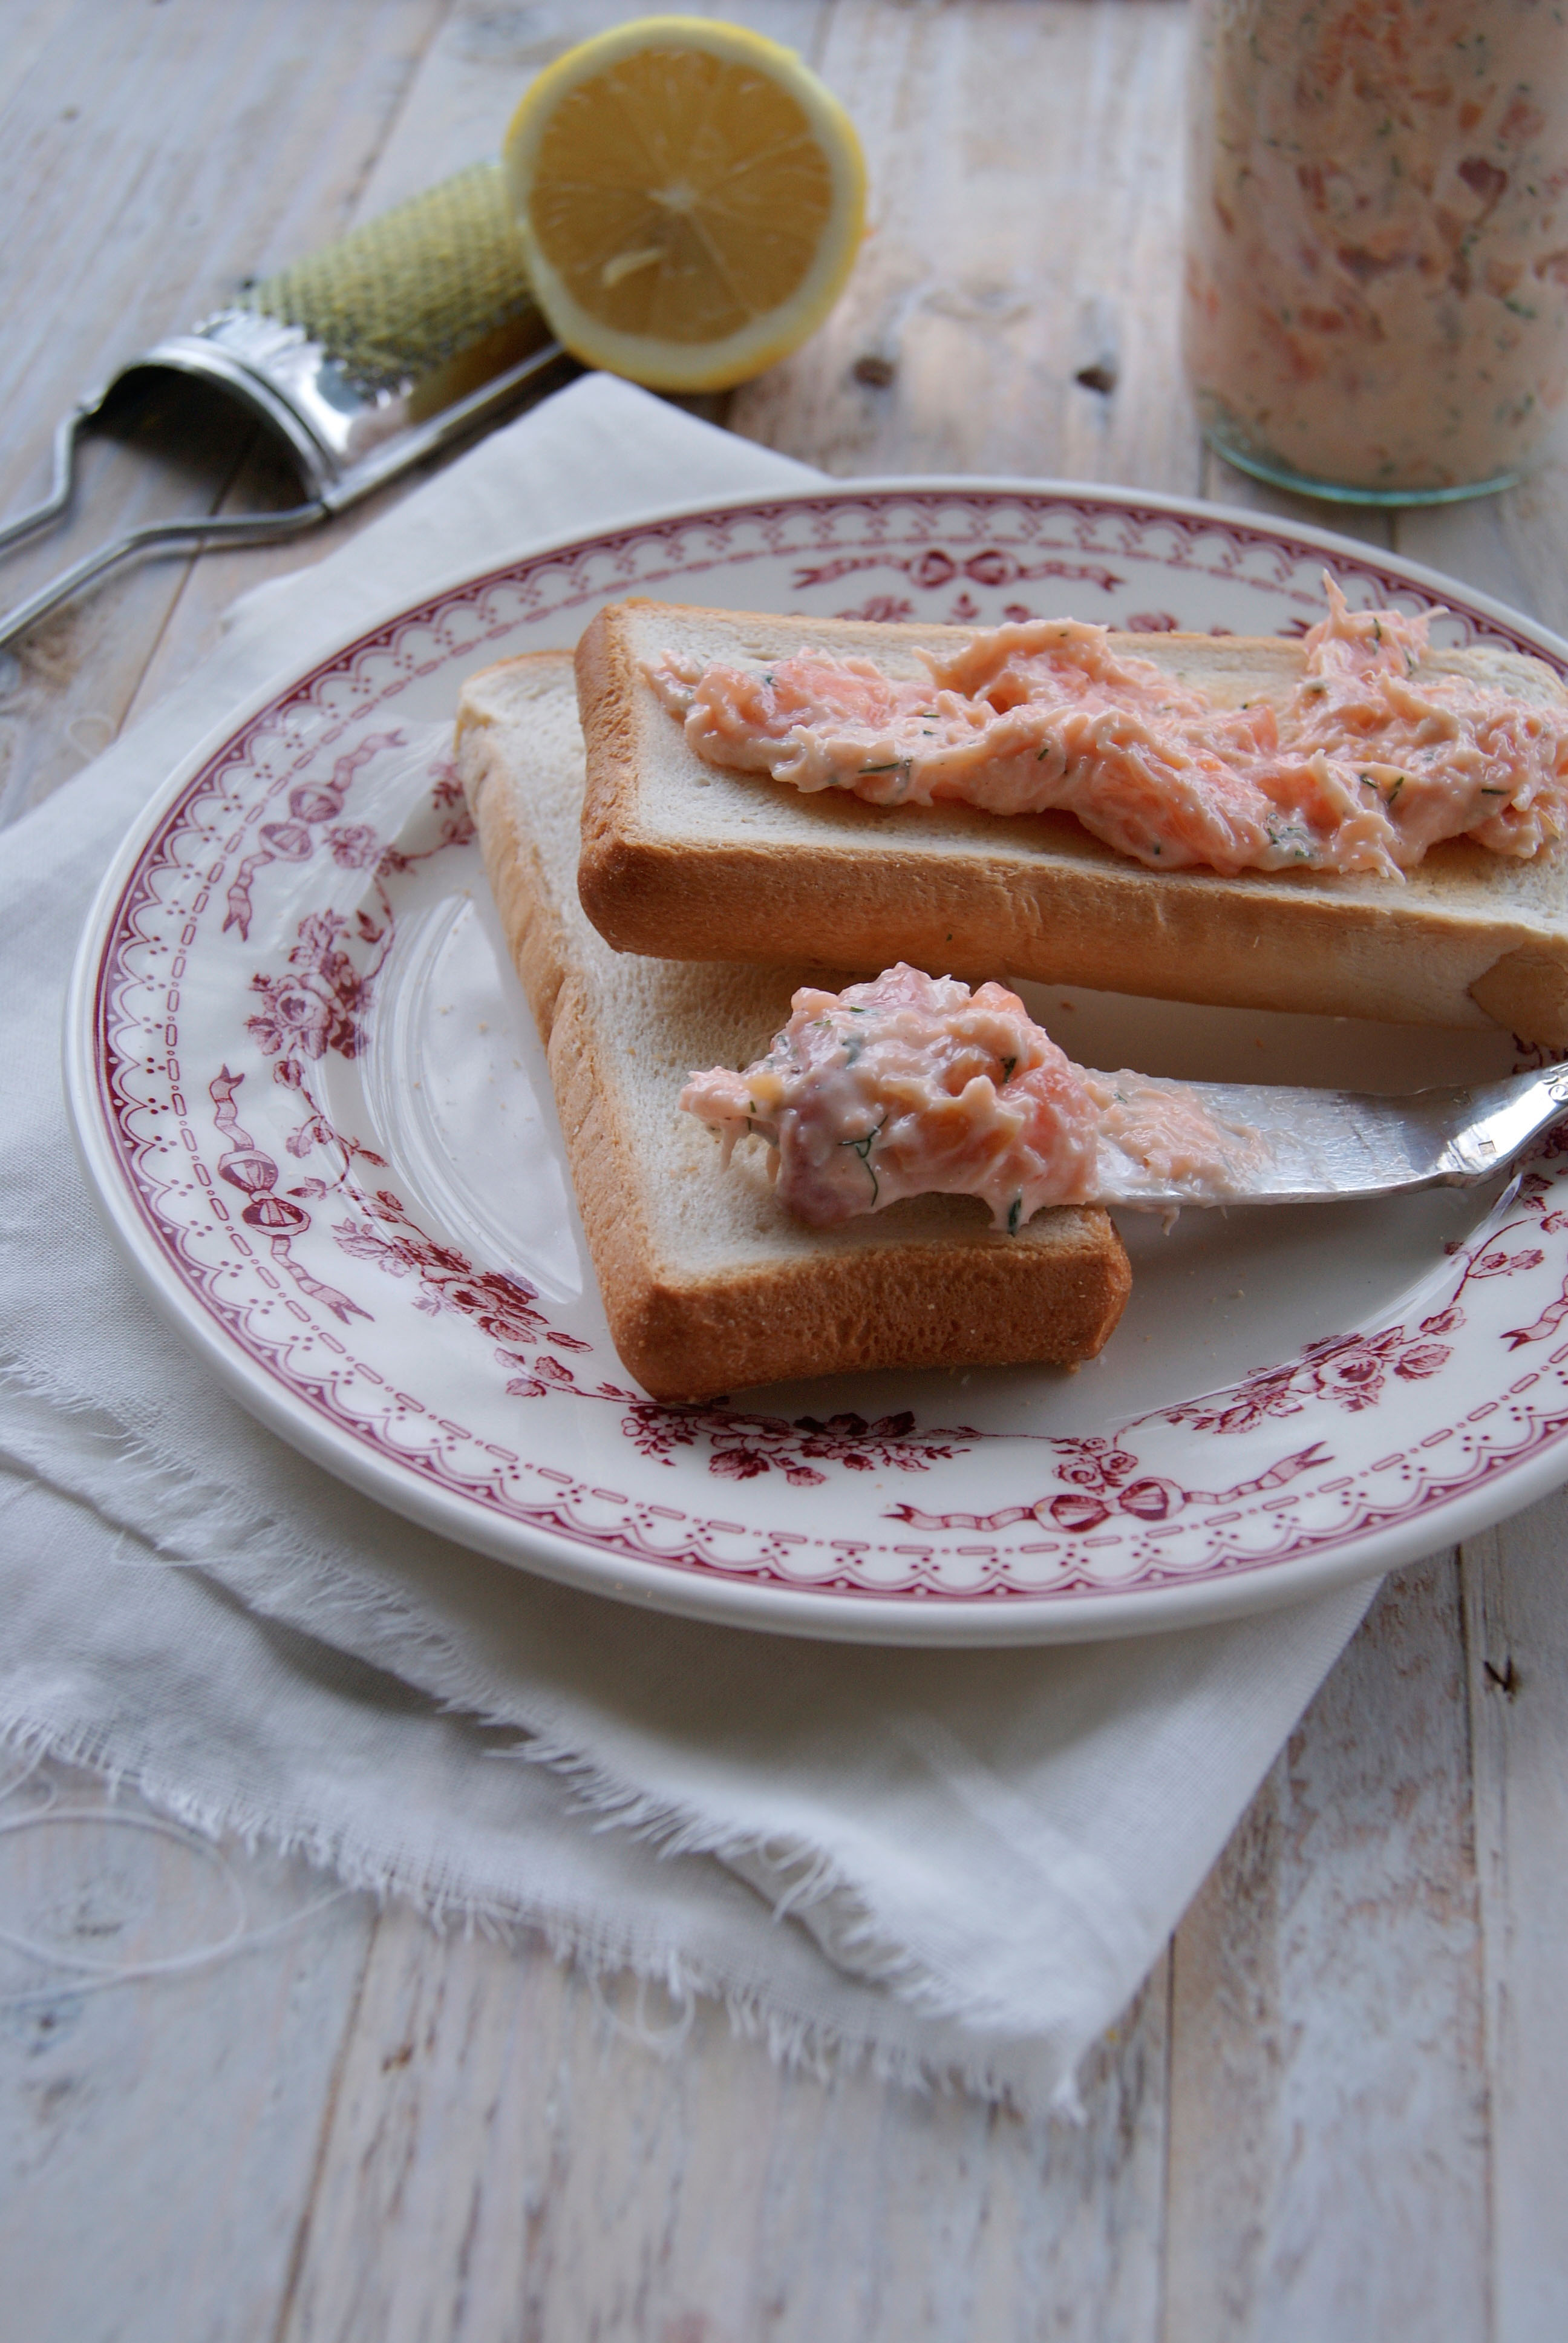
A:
<point x="308" y="1091"/>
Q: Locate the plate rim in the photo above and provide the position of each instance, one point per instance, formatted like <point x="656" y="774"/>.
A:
<point x="955" y="1622"/>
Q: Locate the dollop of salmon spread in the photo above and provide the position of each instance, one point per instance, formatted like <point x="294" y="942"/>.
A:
<point x="1362" y="766"/>
<point x="913" y="1085"/>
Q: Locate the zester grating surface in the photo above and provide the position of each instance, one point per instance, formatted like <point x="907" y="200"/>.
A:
<point x="409" y="291"/>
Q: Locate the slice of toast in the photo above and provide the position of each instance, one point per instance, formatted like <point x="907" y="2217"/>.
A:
<point x="681" y="858"/>
<point x="708" y="1284"/>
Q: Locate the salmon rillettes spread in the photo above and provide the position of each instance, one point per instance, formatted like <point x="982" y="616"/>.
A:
<point x="912" y="1085"/>
<point x="1361" y="768"/>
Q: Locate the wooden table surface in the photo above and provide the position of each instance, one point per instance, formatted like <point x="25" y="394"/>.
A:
<point x="1338" y="2109"/>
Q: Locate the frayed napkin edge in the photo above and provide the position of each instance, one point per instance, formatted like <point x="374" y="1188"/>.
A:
<point x="793" y="1879"/>
<point x="819" y="2047"/>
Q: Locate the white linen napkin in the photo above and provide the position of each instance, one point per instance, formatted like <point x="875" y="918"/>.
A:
<point x="961" y="1865"/>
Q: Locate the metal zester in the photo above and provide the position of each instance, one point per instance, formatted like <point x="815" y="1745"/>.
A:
<point x="370" y="355"/>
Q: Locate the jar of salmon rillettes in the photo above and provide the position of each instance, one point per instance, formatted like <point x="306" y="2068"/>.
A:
<point x="1376" y="295"/>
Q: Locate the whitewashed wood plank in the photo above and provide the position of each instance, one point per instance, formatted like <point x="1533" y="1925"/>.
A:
<point x="1328" y="2114"/>
<point x="1518" y="1653"/>
<point x="1025" y="222"/>
<point x="147" y="163"/>
<point x="1532" y="522"/>
<point x="157" y="2138"/>
<point x="502" y="2161"/>
<point x="149" y="159"/>
<point x="29" y="25"/>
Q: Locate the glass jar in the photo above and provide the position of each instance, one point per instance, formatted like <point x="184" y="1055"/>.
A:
<point x="1376" y="297"/>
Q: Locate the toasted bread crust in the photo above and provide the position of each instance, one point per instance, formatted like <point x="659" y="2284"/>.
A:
<point x="970" y="1298"/>
<point x="533" y="931"/>
<point x="1469" y="939"/>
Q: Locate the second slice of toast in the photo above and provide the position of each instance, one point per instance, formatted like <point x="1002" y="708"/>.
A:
<point x="708" y="1284"/>
<point x="681" y="857"/>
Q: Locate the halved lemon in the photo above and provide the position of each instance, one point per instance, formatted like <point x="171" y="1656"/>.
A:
<point x="690" y="197"/>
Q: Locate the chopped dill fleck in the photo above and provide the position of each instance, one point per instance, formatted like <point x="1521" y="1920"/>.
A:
<point x="1013" y="1210"/>
<point x="862" y="1147"/>
<point x="1395" y="790"/>
<point x="1377" y="632"/>
<point x="1007" y="1066"/>
<point x="1494" y="793"/>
